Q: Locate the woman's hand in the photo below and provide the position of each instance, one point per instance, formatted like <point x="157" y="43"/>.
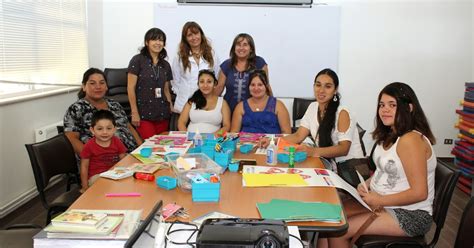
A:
<point x="361" y="189"/>
<point x="135" y="119"/>
<point x="310" y="151"/>
<point x="372" y="198"/>
<point x="263" y="142"/>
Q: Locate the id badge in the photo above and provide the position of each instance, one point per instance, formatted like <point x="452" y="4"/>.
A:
<point x="158" y="92"/>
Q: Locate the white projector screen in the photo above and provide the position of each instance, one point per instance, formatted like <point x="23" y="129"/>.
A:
<point x="295" y="42"/>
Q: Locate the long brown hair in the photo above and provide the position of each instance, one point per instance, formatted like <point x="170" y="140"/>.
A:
<point x="251" y="60"/>
<point x="406" y="120"/>
<point x="185" y="48"/>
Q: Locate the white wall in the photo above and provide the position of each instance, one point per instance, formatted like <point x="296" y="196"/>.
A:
<point x="17" y="125"/>
<point x="427" y="44"/>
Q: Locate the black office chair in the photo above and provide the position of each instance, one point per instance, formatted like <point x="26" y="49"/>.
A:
<point x="50" y="158"/>
<point x="465" y="237"/>
<point x="18" y="236"/>
<point x="117" y="87"/>
<point x="445" y="182"/>
<point x="361" y="135"/>
<point x="299" y="109"/>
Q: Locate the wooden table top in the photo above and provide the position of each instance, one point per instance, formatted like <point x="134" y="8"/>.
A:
<point x="234" y="199"/>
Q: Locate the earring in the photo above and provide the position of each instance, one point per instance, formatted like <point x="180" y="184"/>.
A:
<point x="335" y="98"/>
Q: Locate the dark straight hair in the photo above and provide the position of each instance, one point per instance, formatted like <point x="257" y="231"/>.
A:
<point x="328" y="123"/>
<point x="407" y="118"/>
<point x="198" y="98"/>
<point x="154" y="34"/>
<point x="81" y="94"/>
<point x="102" y="114"/>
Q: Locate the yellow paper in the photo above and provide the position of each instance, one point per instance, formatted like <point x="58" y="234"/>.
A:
<point x="278" y="180"/>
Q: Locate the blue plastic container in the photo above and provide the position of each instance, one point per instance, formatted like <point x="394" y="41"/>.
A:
<point x="145" y="152"/>
<point x="206" y="192"/>
<point x="209" y="151"/>
<point x="223" y="158"/>
<point x="234" y="167"/>
<point x="166" y="182"/>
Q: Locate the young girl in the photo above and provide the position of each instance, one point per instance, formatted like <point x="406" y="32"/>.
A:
<point x="208" y="112"/>
<point x="103" y="150"/>
<point x="149" y="76"/>
<point x="403" y="183"/>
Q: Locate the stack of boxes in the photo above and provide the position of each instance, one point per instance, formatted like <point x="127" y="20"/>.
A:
<point x="464" y="146"/>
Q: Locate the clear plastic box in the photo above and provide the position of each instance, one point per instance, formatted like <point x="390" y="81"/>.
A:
<point x="203" y="165"/>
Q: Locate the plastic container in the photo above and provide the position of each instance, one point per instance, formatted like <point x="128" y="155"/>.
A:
<point x="203" y="165"/>
<point x="272" y="153"/>
<point x="166" y="182"/>
<point x="206" y="192"/>
<point x="146" y="152"/>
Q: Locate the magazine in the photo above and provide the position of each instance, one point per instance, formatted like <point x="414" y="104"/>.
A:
<point x="79" y="218"/>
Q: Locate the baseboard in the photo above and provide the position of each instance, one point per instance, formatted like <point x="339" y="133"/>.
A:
<point x="18" y="202"/>
<point x="23" y="198"/>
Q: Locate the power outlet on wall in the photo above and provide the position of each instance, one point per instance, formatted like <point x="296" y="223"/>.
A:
<point x="448" y="141"/>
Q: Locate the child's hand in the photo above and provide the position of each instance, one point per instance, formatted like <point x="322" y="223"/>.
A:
<point x="83" y="189"/>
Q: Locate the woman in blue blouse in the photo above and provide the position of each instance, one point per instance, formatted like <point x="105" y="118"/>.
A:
<point x="261" y="113"/>
<point x="235" y="71"/>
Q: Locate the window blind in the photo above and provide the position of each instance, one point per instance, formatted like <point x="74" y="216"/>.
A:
<point x="43" y="42"/>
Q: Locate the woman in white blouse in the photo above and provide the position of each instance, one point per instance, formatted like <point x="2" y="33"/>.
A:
<point x="194" y="54"/>
<point x="329" y="124"/>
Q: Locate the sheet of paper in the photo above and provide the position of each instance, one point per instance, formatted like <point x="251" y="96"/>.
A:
<point x="275" y="180"/>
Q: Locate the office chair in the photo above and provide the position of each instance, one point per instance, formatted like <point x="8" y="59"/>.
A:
<point x="50" y="158"/>
<point x="465" y="237"/>
<point x="299" y="109"/>
<point x="361" y="132"/>
<point x="117" y="87"/>
<point x="445" y="182"/>
<point x="18" y="236"/>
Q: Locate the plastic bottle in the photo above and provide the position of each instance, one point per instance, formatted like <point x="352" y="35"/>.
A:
<point x="197" y="139"/>
<point x="291" y="155"/>
<point x="272" y="153"/>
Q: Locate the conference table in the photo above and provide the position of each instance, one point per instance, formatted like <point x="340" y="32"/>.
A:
<point x="234" y="199"/>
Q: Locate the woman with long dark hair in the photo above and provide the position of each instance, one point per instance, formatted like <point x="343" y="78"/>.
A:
<point x="403" y="183"/>
<point x="207" y="112"/>
<point x="328" y="123"/>
<point x="149" y="76"/>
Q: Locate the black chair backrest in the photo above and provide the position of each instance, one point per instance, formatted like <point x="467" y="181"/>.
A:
<point x="465" y="238"/>
<point x="116" y="81"/>
<point x="361" y="132"/>
<point x="49" y="158"/>
<point x="299" y="108"/>
<point x="445" y="182"/>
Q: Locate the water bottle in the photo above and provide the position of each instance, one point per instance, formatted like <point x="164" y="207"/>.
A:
<point x="291" y="155"/>
<point x="272" y="153"/>
<point x="197" y="139"/>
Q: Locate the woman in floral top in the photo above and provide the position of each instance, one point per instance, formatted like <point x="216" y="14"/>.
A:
<point x="77" y="119"/>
